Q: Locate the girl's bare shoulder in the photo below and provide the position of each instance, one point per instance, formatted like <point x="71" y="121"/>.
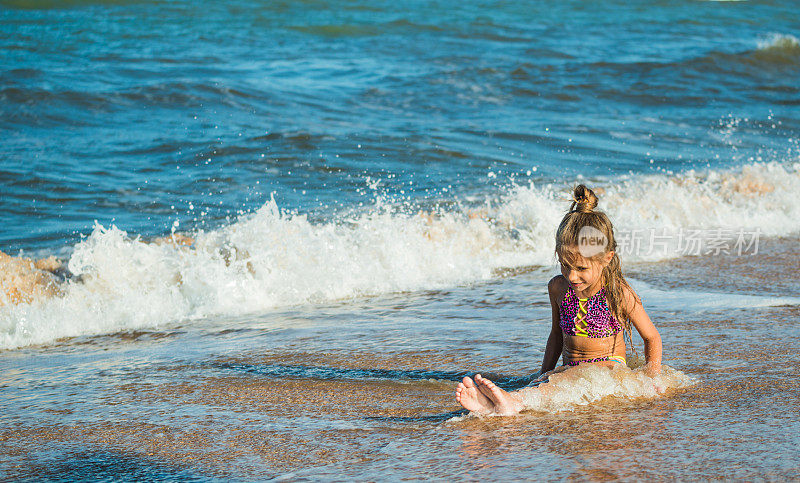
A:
<point x="557" y="287"/>
<point x="630" y="298"/>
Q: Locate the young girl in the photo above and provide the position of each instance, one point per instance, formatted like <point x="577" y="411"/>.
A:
<point x="592" y="306"/>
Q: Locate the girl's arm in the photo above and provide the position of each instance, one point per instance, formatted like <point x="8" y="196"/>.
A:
<point x="555" y="342"/>
<point x="648" y="332"/>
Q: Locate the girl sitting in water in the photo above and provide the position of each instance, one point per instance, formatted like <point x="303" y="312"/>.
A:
<point x="592" y="306"/>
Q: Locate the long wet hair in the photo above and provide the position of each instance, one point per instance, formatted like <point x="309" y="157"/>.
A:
<point x="582" y="214"/>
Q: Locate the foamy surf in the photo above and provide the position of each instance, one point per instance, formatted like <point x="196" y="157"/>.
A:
<point x="265" y="260"/>
<point x="657" y="216"/>
<point x="587" y="384"/>
<point x="780" y="42"/>
<point x="270" y="259"/>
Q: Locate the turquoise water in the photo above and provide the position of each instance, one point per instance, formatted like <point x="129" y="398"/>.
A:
<point x="373" y="189"/>
<point x="131" y="112"/>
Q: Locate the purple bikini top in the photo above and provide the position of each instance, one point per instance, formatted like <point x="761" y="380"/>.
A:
<point x="587" y="317"/>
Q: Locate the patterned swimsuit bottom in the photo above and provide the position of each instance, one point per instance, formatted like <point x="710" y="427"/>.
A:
<point x="617" y="359"/>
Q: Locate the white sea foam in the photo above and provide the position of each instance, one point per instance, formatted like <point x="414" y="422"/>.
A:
<point x="584" y="385"/>
<point x="269" y="259"/>
<point x="264" y="260"/>
<point x="655" y="215"/>
<point x="779" y="41"/>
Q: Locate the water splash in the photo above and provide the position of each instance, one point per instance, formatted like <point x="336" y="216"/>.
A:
<point x="269" y="258"/>
<point x="587" y="384"/>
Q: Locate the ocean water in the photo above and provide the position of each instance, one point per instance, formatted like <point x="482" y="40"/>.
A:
<point x="373" y="189"/>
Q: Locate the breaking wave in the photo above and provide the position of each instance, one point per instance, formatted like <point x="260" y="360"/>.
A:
<point x="270" y="258"/>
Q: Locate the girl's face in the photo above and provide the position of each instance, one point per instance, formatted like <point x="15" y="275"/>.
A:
<point x="584" y="274"/>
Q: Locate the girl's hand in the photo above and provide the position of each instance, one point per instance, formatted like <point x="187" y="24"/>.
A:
<point x="652" y="369"/>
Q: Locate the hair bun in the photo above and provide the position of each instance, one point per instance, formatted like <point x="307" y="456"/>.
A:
<point x="583" y="199"/>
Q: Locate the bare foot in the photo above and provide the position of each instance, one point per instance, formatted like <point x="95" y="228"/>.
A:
<point x="505" y="404"/>
<point x="468" y="395"/>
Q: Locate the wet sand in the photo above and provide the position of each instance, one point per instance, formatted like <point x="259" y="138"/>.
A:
<point x="364" y="390"/>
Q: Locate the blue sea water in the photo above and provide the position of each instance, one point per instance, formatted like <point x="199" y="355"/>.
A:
<point x="373" y="189"/>
<point x="144" y="113"/>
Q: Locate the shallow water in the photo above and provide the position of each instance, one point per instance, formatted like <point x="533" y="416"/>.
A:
<point x="365" y="389"/>
<point x="373" y="190"/>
